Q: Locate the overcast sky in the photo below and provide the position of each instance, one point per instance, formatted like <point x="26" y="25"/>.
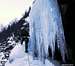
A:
<point x="12" y="9"/>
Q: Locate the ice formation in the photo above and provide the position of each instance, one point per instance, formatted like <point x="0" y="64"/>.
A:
<point x="46" y="29"/>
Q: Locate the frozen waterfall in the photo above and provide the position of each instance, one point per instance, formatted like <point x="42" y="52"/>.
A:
<point x="46" y="29"/>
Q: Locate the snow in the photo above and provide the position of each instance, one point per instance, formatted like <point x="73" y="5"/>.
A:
<point x="17" y="52"/>
<point x="25" y="62"/>
<point x="1" y="55"/>
<point x="20" y="58"/>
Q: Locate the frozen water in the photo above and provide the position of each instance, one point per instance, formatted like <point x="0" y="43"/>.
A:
<point x="45" y="27"/>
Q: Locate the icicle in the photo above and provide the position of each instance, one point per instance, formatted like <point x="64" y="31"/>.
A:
<point x="45" y="25"/>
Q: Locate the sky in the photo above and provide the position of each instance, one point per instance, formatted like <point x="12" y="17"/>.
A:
<point x="12" y="9"/>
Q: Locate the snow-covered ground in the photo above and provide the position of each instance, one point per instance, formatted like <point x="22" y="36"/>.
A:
<point x="18" y="57"/>
<point x="28" y="61"/>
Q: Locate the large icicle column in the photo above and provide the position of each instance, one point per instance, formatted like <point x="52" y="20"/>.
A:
<point x="45" y="27"/>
